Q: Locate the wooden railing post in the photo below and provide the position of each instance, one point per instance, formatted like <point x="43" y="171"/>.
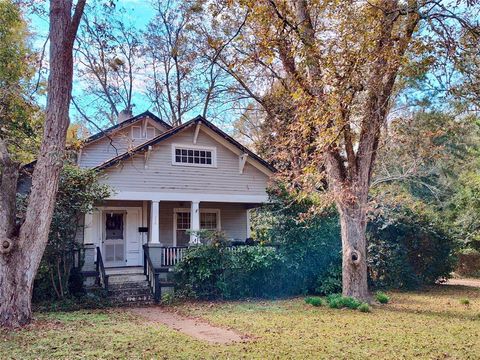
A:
<point x="145" y="259"/>
<point x="157" y="288"/>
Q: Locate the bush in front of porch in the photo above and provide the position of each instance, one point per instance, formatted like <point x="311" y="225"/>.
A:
<point x="408" y="248"/>
<point x="57" y="279"/>
<point x="302" y="262"/>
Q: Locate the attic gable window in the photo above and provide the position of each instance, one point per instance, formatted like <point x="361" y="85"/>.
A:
<point x="138" y="134"/>
<point x="187" y="155"/>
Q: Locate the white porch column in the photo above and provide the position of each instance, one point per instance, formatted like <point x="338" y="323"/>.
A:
<point x="88" y="229"/>
<point x="194" y="222"/>
<point x="249" y="230"/>
<point x="144" y="221"/>
<point x="154" y="223"/>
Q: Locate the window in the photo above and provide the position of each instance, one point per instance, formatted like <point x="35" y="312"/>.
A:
<point x="193" y="156"/>
<point x="209" y="220"/>
<point x="137" y="133"/>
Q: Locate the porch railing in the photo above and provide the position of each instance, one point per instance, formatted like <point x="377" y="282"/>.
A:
<point x="169" y="256"/>
<point x="172" y="255"/>
<point x="152" y="272"/>
<point x="102" y="277"/>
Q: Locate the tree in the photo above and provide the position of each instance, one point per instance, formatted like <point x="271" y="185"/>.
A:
<point x="108" y="61"/>
<point x="332" y="70"/>
<point x="22" y="245"/>
<point x="77" y="194"/>
<point x="183" y="74"/>
<point x="20" y="118"/>
<point x="174" y="85"/>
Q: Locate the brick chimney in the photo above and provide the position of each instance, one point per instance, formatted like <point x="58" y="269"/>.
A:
<point x="125" y="115"/>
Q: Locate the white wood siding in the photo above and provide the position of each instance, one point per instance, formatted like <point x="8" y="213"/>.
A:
<point x="161" y="176"/>
<point x="99" y="151"/>
<point x="233" y="219"/>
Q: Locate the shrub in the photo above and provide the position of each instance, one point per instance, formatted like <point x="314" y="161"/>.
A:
<point x="468" y="262"/>
<point x="78" y="191"/>
<point x="331" y="281"/>
<point x="314" y="301"/>
<point x="407" y="247"/>
<point x="307" y="252"/>
<point x="464" y="301"/>
<point x="91" y="300"/>
<point x="309" y="244"/>
<point x="381" y="297"/>
<point x="214" y="271"/>
<point x="337" y="301"/>
<point x="201" y="272"/>
<point x="364" y="307"/>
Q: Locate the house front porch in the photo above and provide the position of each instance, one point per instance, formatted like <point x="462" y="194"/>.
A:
<point x="122" y="234"/>
<point x="120" y="229"/>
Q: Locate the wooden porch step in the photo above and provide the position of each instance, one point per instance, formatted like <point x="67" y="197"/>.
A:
<point x="126" y="278"/>
<point x="124" y="270"/>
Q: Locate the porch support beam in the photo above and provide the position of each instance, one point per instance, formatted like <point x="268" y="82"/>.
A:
<point x="154" y="222"/>
<point x="197" y="130"/>
<point x="147" y="155"/>
<point x="242" y="159"/>
<point x="195" y="222"/>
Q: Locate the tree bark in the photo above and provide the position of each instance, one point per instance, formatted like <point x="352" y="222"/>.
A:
<point x="351" y="196"/>
<point x="354" y="254"/>
<point x="19" y="265"/>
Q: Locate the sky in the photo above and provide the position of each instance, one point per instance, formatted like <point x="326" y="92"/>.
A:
<point x="140" y="11"/>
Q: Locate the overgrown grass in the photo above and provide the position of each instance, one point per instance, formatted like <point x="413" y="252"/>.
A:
<point x="429" y="324"/>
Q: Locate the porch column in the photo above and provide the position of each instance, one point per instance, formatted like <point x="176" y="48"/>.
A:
<point x="154" y="223"/>
<point x="249" y="230"/>
<point x="88" y="229"/>
<point x="195" y="222"/>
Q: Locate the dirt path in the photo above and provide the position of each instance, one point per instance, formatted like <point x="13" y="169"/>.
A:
<point x="464" y="282"/>
<point x="196" y="328"/>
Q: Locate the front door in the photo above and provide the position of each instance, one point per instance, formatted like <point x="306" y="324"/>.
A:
<point x="114" y="238"/>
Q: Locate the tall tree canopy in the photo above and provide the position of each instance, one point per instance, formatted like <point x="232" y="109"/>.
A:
<point x="327" y="73"/>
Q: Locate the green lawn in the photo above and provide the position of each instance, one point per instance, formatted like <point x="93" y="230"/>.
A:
<point x="432" y="324"/>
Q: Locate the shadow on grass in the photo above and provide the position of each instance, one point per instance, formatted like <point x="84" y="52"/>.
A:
<point x="444" y="314"/>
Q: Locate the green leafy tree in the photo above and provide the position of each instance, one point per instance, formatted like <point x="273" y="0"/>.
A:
<point x="20" y="118"/>
<point x="77" y="194"/>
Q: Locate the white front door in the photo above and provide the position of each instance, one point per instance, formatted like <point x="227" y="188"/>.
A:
<point x="114" y="238"/>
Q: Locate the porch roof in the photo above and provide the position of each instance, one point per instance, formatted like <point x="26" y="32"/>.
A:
<point x="186" y="196"/>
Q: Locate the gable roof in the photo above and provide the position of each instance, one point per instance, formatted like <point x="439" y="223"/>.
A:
<point x="166" y="135"/>
<point x="124" y="124"/>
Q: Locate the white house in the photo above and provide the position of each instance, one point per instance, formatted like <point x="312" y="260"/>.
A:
<point x="167" y="181"/>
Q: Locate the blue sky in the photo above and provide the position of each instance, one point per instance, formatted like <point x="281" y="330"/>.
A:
<point x="141" y="12"/>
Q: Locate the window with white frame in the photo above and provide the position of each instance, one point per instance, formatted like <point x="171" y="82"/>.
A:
<point x="209" y="220"/>
<point x="193" y="155"/>
<point x="139" y="134"/>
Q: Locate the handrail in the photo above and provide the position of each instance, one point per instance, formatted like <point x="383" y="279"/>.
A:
<point x="102" y="277"/>
<point x="152" y="274"/>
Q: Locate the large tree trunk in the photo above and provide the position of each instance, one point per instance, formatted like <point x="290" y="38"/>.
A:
<point x="354" y="264"/>
<point x="21" y="253"/>
<point x="351" y="196"/>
